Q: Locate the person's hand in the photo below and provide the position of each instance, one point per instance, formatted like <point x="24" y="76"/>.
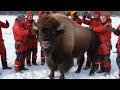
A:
<point x="84" y="14"/>
<point x="7" y="23"/>
<point x="89" y="28"/>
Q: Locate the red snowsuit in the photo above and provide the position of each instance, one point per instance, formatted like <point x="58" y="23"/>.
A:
<point x="32" y="43"/>
<point x="104" y="38"/>
<point x="77" y="20"/>
<point x="20" y="36"/>
<point x="2" y="46"/>
<point x="94" y="22"/>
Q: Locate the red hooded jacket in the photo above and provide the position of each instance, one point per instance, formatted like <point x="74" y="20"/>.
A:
<point x="29" y="25"/>
<point x="19" y="31"/>
<point x="78" y="20"/>
<point x="2" y="25"/>
<point x="94" y="22"/>
<point x="104" y="35"/>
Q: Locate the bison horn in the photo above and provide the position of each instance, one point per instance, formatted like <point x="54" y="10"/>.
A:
<point x="60" y="27"/>
<point x="34" y="26"/>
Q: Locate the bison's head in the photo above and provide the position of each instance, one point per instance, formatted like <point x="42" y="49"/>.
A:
<point x="48" y="30"/>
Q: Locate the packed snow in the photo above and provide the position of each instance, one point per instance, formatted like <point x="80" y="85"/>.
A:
<point x="42" y="71"/>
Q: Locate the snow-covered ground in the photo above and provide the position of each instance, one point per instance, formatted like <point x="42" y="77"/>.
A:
<point x="42" y="72"/>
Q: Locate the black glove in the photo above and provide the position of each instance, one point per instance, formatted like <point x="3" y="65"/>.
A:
<point x="110" y="47"/>
<point x="89" y="16"/>
<point x="84" y="14"/>
<point x="29" y="31"/>
<point x="116" y="45"/>
<point x="68" y="14"/>
<point x="7" y="23"/>
<point x="89" y="28"/>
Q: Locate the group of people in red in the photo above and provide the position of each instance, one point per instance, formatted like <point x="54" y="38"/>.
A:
<point x="100" y="23"/>
<point x="26" y="42"/>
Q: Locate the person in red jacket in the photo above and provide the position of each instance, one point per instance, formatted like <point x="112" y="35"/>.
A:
<point x="75" y="17"/>
<point x="117" y="33"/>
<point x="105" y="46"/>
<point x="40" y="13"/>
<point x="93" y="22"/>
<point x="32" y="41"/>
<point x="2" y="46"/>
<point x="20" y="36"/>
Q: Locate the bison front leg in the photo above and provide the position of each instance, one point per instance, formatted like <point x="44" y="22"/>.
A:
<point x="52" y="68"/>
<point x="61" y="68"/>
<point x="51" y="76"/>
<point x="65" y="65"/>
<point x="62" y="76"/>
<point x="80" y="64"/>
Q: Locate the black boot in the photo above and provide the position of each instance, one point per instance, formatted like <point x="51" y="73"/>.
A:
<point x="86" y="67"/>
<point x="107" y="72"/>
<point x="28" y="63"/>
<point x="4" y="65"/>
<point x="23" y="68"/>
<point x="101" y="71"/>
<point x="34" y="62"/>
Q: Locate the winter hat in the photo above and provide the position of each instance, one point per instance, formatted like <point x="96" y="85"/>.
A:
<point x="97" y="12"/>
<point x="73" y="12"/>
<point x="29" y="12"/>
<point x="40" y="13"/>
<point x="20" y="17"/>
<point x="107" y="15"/>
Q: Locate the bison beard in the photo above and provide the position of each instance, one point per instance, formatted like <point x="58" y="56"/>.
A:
<point x="70" y="40"/>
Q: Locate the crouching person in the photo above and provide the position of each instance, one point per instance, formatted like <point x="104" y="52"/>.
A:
<point x="20" y="37"/>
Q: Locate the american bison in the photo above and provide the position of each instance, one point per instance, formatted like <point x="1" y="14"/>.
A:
<point x="62" y="40"/>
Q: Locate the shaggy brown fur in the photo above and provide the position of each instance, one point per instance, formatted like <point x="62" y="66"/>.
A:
<point x="71" y="41"/>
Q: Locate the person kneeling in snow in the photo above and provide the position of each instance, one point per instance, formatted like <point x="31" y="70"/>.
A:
<point x="20" y="36"/>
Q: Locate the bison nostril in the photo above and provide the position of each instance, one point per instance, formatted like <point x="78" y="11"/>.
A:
<point x="46" y="42"/>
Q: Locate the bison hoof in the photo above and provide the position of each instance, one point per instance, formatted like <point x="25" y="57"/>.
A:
<point x="91" y="74"/>
<point x="51" y="76"/>
<point x="61" y="77"/>
<point x="77" y="71"/>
